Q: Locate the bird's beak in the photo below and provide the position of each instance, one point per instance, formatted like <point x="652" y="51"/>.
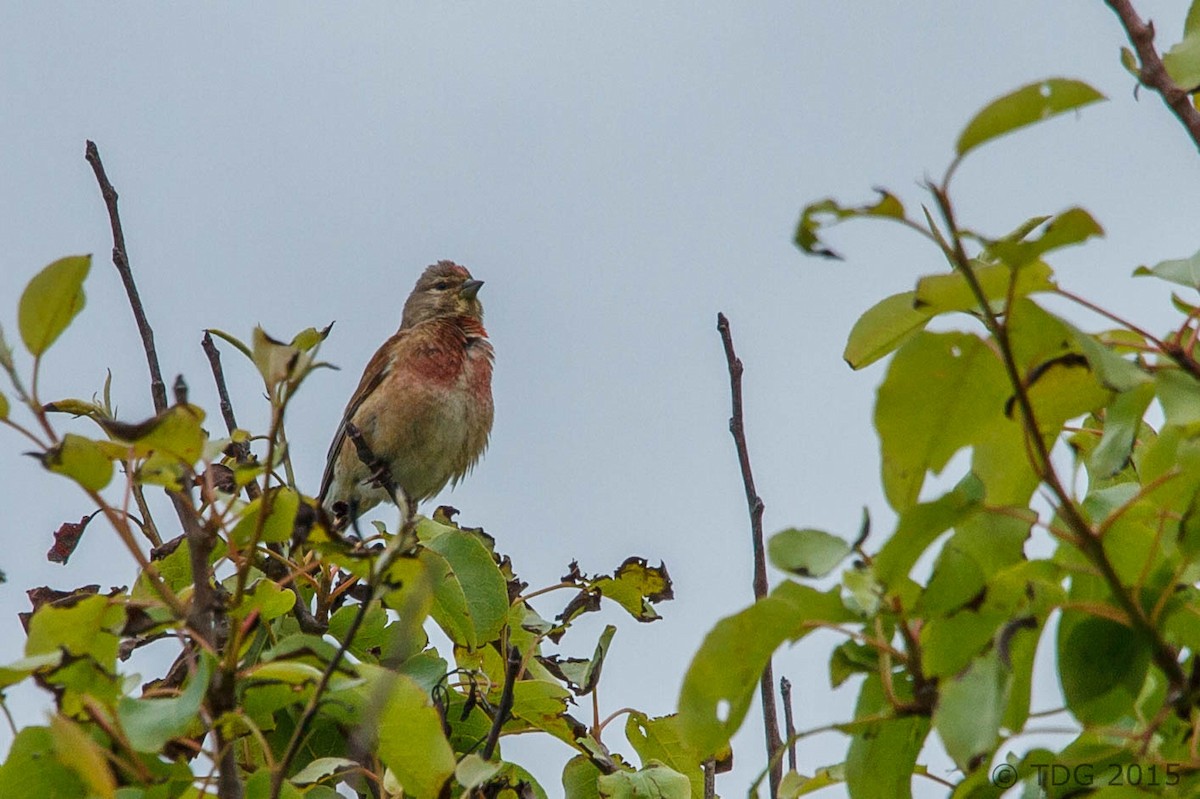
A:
<point x="470" y="289"/>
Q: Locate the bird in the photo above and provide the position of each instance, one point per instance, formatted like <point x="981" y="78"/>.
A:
<point x="424" y="402"/>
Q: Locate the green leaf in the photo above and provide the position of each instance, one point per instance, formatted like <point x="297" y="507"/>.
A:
<point x="940" y="392"/>
<point x="580" y="779"/>
<point x="277" y="362"/>
<point x="884" y="327"/>
<point x="278" y="525"/>
<point x="723" y="676"/>
<point x="310" y="337"/>
<point x="1115" y="372"/>
<point x="13" y="673"/>
<point x="1179" y="395"/>
<point x="984" y="544"/>
<point x="1183" y="271"/>
<point x="581" y="674"/>
<point x="411" y="742"/>
<point x="471" y="598"/>
<point x="1073" y="226"/>
<point x="951" y="292"/>
<point x="51" y="300"/>
<point x="970" y="709"/>
<point x="176" y="434"/>
<point x="656" y="781"/>
<point x="828" y="212"/>
<point x="920" y="525"/>
<point x="31" y="769"/>
<point x="87" y="628"/>
<point x="1183" y="61"/>
<point x="3" y="406"/>
<point x="635" y="585"/>
<point x="807" y="552"/>
<point x="1102" y="665"/>
<point x="81" y="459"/>
<point x="1025" y="106"/>
<point x="472" y="771"/>
<point x="883" y="754"/>
<point x="542" y="705"/>
<point x="150" y="723"/>
<point x="1122" y="421"/>
<point x="321" y="768"/>
<point x="794" y="785"/>
<point x="268" y="599"/>
<point x="79" y="752"/>
<point x="660" y="739"/>
<point x="258" y="786"/>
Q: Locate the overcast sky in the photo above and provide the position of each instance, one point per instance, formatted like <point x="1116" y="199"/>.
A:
<point x="617" y="173"/>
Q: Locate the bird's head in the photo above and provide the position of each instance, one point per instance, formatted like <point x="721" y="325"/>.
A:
<point x="443" y="290"/>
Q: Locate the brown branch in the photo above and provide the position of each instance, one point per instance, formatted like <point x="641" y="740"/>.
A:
<point x="158" y="389"/>
<point x="737" y="429"/>
<point x="1153" y="73"/>
<point x="512" y="666"/>
<point x="789" y="723"/>
<point x="241" y="449"/>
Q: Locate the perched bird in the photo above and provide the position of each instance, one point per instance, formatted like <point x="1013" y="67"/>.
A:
<point x="424" y="403"/>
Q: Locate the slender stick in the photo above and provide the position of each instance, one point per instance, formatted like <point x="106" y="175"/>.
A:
<point x="1152" y="73"/>
<point x="241" y="450"/>
<point x="158" y="389"/>
<point x="789" y="723"/>
<point x="506" y="702"/>
<point x="737" y="429"/>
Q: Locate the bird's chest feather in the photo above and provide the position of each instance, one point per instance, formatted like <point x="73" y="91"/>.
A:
<point x="447" y="383"/>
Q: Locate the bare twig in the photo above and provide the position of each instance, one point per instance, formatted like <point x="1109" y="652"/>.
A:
<point x="158" y="389"/>
<point x="737" y="429"/>
<point x="1152" y="73"/>
<point x="512" y="665"/>
<point x="710" y="778"/>
<point x="241" y="449"/>
<point x="789" y="723"/>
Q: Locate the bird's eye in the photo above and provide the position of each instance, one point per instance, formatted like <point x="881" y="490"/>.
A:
<point x="441" y="285"/>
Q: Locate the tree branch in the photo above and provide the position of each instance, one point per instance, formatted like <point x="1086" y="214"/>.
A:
<point x="512" y="666"/>
<point x="241" y="449"/>
<point x="1153" y="74"/>
<point x="737" y="429"/>
<point x="785" y="692"/>
<point x="158" y="389"/>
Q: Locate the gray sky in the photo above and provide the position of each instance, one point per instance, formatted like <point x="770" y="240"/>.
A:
<point x="617" y="173"/>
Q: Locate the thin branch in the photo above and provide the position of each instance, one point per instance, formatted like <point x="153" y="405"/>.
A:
<point x="506" y="701"/>
<point x="1153" y="73"/>
<point x="737" y="429"/>
<point x="789" y="723"/>
<point x="158" y="389"/>
<point x="241" y="449"/>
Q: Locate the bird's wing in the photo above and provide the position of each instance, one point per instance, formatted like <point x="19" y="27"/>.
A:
<point x="377" y="368"/>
